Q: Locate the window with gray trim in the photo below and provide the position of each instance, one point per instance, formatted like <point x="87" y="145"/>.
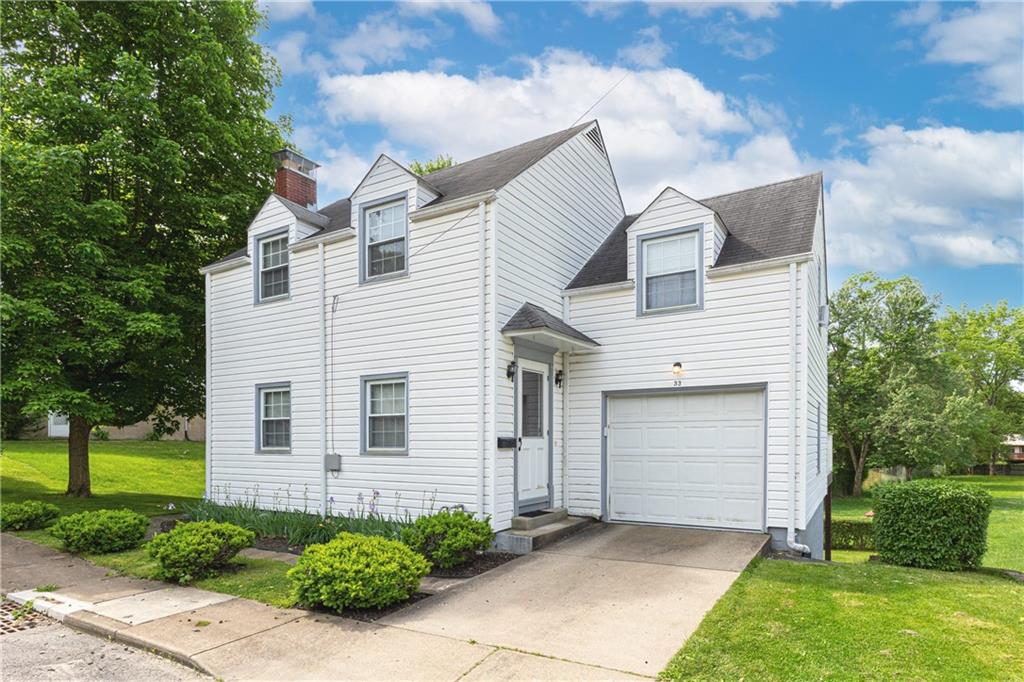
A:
<point x="273" y="267"/>
<point x="385" y="240"/>
<point x="275" y="422"/>
<point x="670" y="271"/>
<point x="386" y="414"/>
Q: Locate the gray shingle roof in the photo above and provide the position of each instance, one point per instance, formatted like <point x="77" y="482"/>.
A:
<point x="494" y="171"/>
<point x="530" y="316"/>
<point x="303" y="213"/>
<point x="763" y="222"/>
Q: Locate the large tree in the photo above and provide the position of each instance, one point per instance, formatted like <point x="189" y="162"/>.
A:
<point x="135" y="148"/>
<point x="883" y="365"/>
<point x="986" y="349"/>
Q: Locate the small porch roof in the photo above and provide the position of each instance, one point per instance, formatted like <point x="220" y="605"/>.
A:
<point x="533" y="323"/>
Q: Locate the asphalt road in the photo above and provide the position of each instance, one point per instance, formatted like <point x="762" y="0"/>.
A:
<point x="55" y="652"/>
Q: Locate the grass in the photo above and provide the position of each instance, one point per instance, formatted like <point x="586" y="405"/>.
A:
<point x="1005" y="526"/>
<point x="784" y="620"/>
<point x="140" y="475"/>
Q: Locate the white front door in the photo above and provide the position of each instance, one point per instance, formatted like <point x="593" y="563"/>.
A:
<point x="532" y="454"/>
<point x="694" y="459"/>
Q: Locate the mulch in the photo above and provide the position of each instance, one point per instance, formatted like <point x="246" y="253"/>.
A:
<point x="278" y="545"/>
<point x="482" y="563"/>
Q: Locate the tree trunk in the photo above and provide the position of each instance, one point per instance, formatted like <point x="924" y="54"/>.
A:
<point x="992" y="464"/>
<point x="858" y="478"/>
<point x="78" y="457"/>
<point x="910" y="473"/>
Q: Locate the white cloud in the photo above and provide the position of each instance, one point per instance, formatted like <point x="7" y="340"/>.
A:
<point x="440" y="64"/>
<point x="756" y="78"/>
<point x="751" y="10"/>
<point x="934" y="193"/>
<point x="989" y="37"/>
<point x="479" y="15"/>
<point x="738" y="43"/>
<point x="278" y="10"/>
<point x="605" y="9"/>
<point x="648" y="50"/>
<point x="378" y="39"/>
<point x="293" y="57"/>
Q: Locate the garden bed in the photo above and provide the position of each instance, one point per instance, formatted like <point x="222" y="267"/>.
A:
<point x="482" y="563"/>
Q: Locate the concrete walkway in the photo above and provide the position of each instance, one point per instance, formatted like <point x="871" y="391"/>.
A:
<point x="238" y="639"/>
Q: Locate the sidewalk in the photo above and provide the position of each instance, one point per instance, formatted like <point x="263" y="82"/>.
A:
<point x="231" y="638"/>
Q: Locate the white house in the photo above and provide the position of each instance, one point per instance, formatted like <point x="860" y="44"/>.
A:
<point x="499" y="335"/>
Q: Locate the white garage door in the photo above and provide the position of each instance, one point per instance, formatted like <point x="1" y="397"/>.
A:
<point x="687" y="458"/>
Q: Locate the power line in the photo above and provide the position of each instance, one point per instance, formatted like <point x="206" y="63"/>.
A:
<point x="601" y="99"/>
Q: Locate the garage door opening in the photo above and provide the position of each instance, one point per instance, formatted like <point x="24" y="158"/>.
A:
<point x="687" y="458"/>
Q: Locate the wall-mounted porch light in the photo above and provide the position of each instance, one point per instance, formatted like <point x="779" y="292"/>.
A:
<point x="510" y="371"/>
<point x="558" y="378"/>
<point x="677" y="369"/>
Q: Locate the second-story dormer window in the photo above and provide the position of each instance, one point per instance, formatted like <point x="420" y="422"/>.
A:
<point x="273" y="267"/>
<point x="670" y="271"/>
<point x="386" y="240"/>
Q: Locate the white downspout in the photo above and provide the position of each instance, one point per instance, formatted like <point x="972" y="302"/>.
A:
<point x="481" y="431"/>
<point x="209" y="386"/>
<point x="791" y="475"/>
<point x="565" y="411"/>
<point x="322" y="321"/>
<point x="492" y="446"/>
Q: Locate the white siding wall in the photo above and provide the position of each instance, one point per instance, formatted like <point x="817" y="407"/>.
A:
<point x="550" y="220"/>
<point x="817" y="374"/>
<point x="741" y="337"/>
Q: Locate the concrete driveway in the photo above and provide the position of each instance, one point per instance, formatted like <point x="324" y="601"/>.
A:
<point x="612" y="598"/>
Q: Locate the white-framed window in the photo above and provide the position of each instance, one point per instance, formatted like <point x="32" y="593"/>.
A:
<point x="274" y="417"/>
<point x="670" y="271"/>
<point x="272" y="277"/>
<point x="385" y="240"/>
<point x="385" y="414"/>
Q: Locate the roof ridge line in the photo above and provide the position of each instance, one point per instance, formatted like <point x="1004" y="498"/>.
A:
<point x="769" y="184"/>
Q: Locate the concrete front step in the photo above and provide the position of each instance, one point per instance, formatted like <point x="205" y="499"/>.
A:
<point x="531" y="522"/>
<point x="526" y="541"/>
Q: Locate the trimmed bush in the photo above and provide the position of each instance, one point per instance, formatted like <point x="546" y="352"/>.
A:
<point x="195" y="550"/>
<point x="931" y="523"/>
<point x="357" y="571"/>
<point x="27" y="515"/>
<point x="852" y="534"/>
<point x="449" y="538"/>
<point x="102" y="531"/>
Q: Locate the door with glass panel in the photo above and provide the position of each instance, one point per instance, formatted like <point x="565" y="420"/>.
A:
<point x="533" y="453"/>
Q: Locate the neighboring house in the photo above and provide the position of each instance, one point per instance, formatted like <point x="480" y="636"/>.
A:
<point x="1015" y="448"/>
<point x="499" y="335"/>
<point x="57" y="427"/>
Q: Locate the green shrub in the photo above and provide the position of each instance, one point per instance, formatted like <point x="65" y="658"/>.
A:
<point x="196" y="550"/>
<point x="102" y="531"/>
<point x="27" y="515"/>
<point x="852" y="534"/>
<point x="357" y="571"/>
<point x="449" y="538"/>
<point x="931" y="523"/>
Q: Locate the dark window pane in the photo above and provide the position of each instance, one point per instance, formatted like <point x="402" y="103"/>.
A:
<point x="387" y="258"/>
<point x="276" y="433"/>
<point x="667" y="291"/>
<point x="532" y="398"/>
<point x="387" y="433"/>
<point x="274" y="282"/>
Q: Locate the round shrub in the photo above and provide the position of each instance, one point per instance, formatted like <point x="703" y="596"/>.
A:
<point x="449" y="538"/>
<point x="100" y="532"/>
<point x="931" y="523"/>
<point x="357" y="571"/>
<point x="195" y="550"/>
<point x="27" y="515"/>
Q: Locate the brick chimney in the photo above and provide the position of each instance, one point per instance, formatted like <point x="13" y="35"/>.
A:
<point x="296" y="178"/>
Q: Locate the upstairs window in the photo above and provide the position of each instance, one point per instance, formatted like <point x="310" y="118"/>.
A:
<point x="275" y="417"/>
<point x="670" y="268"/>
<point x="273" y="267"/>
<point x="385" y="241"/>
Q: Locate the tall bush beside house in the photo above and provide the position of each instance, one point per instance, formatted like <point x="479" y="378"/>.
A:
<point x="931" y="523"/>
<point x="449" y="538"/>
<point x="357" y="571"/>
<point x="102" y="531"/>
<point x="196" y="550"/>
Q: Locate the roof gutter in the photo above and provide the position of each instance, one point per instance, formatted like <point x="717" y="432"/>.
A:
<point x="598" y="288"/>
<point x="328" y="238"/>
<point x="221" y="266"/>
<point x="726" y="270"/>
<point x="470" y="201"/>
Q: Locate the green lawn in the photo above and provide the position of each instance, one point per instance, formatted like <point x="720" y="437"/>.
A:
<point x="1005" y="527"/>
<point x="140" y="475"/>
<point x="784" y="620"/>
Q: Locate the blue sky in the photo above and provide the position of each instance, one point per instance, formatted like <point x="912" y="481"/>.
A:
<point x="913" y="111"/>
